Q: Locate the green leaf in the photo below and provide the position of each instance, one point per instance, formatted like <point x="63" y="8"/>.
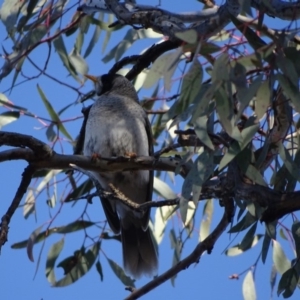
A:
<point x="31" y="8"/>
<point x="99" y="269"/>
<point x="162" y="189"/>
<point x="236" y="147"/>
<point x="206" y="219"/>
<point x="296" y="236"/>
<point x="31" y="241"/>
<point x="263" y="98"/>
<point x="202" y="168"/>
<point x="189" y="36"/>
<point x="176" y="244"/>
<point x="62" y="53"/>
<point x="290" y="91"/>
<point x="4" y="101"/>
<point x="281" y="262"/>
<point x="52" y="256"/>
<point x="78" y="62"/>
<point x="54" y="116"/>
<point x="247" y="221"/>
<point x="157" y="70"/>
<point x="248" y="238"/>
<point x="224" y="107"/>
<point x="249" y="292"/>
<point x="108" y="32"/>
<point x="82" y="265"/>
<point x="265" y="247"/>
<point x="287" y="68"/>
<point x="119" y="272"/>
<point x="8" y="117"/>
<point x="10" y="10"/>
<point x="288" y="283"/>
<point x="200" y="127"/>
<point x="81" y="190"/>
<point x="172" y="62"/>
<point x="72" y="227"/>
<point x="203" y="98"/>
<point x="246" y="94"/>
<point x="221" y="70"/>
<point x="191" y="86"/>
<point x="237" y="250"/>
<point x="94" y="38"/>
<point x="288" y="162"/>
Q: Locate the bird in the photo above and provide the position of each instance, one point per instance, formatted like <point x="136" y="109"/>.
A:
<point x="117" y="125"/>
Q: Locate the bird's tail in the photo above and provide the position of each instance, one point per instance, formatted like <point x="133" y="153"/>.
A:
<point x="139" y="253"/>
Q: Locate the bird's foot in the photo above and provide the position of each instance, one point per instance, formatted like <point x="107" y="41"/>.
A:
<point x="130" y="154"/>
<point x="95" y="156"/>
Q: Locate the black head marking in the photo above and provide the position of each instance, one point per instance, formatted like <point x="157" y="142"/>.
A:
<point x="116" y="84"/>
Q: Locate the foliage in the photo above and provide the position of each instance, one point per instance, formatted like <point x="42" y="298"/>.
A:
<point x="232" y="101"/>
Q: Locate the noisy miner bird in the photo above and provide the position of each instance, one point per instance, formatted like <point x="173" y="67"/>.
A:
<point x="116" y="126"/>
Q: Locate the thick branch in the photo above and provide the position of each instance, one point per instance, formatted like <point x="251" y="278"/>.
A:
<point x="41" y="156"/>
<point x="39" y="148"/>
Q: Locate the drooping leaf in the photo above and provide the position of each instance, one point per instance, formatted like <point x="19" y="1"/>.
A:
<point x="52" y="256"/>
<point x="54" y="116"/>
<point x="94" y="38"/>
<point x="236" y="147"/>
<point x="81" y="190"/>
<point x="189" y="36"/>
<point x="82" y="264"/>
<point x="8" y="117"/>
<point x="200" y="126"/>
<point x="288" y="162"/>
<point x="237" y="250"/>
<point x="119" y="272"/>
<point x="248" y="238"/>
<point x="296" y="236"/>
<point x="32" y="241"/>
<point x="263" y="98"/>
<point x="99" y="269"/>
<point x="290" y="90"/>
<point x="10" y="10"/>
<point x="78" y="62"/>
<point x="201" y="170"/>
<point x="247" y="221"/>
<point x="176" y="245"/>
<point x="288" y="283"/>
<point x="162" y="214"/>
<point x="162" y="189"/>
<point x="281" y="262"/>
<point x="249" y="292"/>
<point x="191" y="86"/>
<point x="206" y="220"/>
<point x="224" y="107"/>
<point x="62" y="53"/>
<point x="72" y="227"/>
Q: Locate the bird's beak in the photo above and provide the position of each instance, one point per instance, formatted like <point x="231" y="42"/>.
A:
<point x="91" y="77"/>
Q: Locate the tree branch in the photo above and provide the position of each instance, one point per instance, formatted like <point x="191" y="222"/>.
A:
<point x="26" y="179"/>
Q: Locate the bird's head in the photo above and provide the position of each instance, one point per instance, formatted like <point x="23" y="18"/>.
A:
<point x="113" y="83"/>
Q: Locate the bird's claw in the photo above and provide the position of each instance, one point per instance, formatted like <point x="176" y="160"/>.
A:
<point x="95" y="156"/>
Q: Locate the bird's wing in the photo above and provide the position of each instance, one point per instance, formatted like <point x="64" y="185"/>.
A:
<point x="111" y="215"/>
<point x="146" y="217"/>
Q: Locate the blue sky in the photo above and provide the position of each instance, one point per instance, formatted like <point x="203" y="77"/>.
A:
<point x="208" y="279"/>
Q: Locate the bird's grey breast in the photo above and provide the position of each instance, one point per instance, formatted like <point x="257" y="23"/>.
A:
<point x="116" y="125"/>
